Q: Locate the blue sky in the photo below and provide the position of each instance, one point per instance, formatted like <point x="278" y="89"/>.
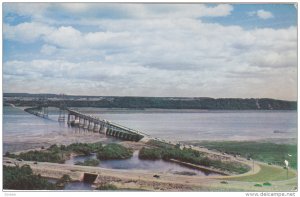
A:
<point x="214" y="50"/>
<point x="284" y="15"/>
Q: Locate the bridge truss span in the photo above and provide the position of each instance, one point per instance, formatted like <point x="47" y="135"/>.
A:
<point x="95" y="124"/>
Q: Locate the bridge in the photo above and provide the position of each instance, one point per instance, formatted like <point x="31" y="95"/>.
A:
<point x="91" y="123"/>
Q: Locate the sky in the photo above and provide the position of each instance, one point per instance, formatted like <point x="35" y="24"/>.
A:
<point x="182" y="50"/>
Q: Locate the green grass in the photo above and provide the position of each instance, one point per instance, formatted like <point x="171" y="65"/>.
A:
<point x="267" y="173"/>
<point x="261" y="151"/>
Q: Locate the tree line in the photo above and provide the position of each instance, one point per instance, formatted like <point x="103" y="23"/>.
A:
<point x="204" y="103"/>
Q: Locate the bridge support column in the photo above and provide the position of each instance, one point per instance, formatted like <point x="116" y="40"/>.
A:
<point x="88" y="127"/>
<point x="69" y="117"/>
<point x="100" y="127"/>
<point x="79" y="121"/>
<point x="92" y="125"/>
<point x="103" y="130"/>
<point x="95" y="126"/>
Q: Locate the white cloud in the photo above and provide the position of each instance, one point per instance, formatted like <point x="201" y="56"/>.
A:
<point x="76" y="7"/>
<point x="262" y="14"/>
<point x="48" y="49"/>
<point x="26" y="32"/>
<point x="186" y="11"/>
<point x="46" y="12"/>
<point x="67" y="37"/>
<point x="34" y="10"/>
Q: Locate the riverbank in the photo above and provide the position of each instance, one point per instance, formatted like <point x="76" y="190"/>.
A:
<point x="270" y="151"/>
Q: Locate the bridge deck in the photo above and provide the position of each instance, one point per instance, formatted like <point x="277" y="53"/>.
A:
<point x="108" y="123"/>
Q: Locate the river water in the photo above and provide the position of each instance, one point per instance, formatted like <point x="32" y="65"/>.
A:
<point x="205" y="125"/>
<point x="21" y="128"/>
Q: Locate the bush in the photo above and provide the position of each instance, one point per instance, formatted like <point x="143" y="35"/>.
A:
<point x="41" y="156"/>
<point x="114" y="151"/>
<point x="22" y="178"/>
<point x="267" y="184"/>
<point x="258" y="185"/>
<point x="224" y="182"/>
<point x="53" y="148"/>
<point x="84" y="148"/>
<point x="151" y="154"/>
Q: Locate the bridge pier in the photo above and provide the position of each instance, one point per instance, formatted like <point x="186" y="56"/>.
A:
<point x="68" y="122"/>
<point x="95" y="127"/>
<point x="92" y="125"/>
<point x="103" y="130"/>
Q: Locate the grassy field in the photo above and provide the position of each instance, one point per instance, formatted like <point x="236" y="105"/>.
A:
<point x="261" y="151"/>
<point x="267" y="173"/>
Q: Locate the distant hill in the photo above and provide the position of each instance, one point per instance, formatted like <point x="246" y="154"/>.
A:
<point x="24" y="99"/>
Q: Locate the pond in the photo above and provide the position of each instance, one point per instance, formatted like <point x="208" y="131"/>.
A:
<point x="135" y="163"/>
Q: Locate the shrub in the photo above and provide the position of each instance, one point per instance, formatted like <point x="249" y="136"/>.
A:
<point x="41" y="156"/>
<point x="258" y="185"/>
<point x="84" y="148"/>
<point x="267" y="184"/>
<point x="114" y="151"/>
<point x="224" y="182"/>
<point x="22" y="178"/>
<point x="151" y="154"/>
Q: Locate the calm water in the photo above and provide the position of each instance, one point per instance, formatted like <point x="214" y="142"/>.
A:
<point x="210" y="125"/>
<point x="135" y="163"/>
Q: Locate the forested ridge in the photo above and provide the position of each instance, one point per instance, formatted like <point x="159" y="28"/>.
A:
<point x="205" y="103"/>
